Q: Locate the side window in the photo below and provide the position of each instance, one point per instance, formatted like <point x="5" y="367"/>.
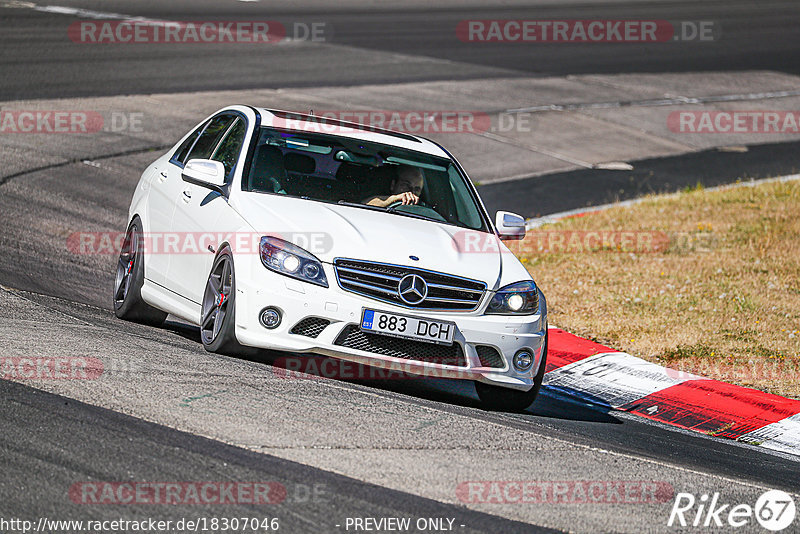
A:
<point x="210" y="137"/>
<point x="183" y="150"/>
<point x="228" y="150"/>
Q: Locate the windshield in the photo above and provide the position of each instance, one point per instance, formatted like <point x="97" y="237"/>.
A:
<point x="362" y="174"/>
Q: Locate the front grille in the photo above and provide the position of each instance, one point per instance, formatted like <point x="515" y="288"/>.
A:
<point x="310" y="327"/>
<point x="489" y="356"/>
<point x="353" y="338"/>
<point x="379" y="281"/>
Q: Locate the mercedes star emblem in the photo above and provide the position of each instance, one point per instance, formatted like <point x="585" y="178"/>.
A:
<point x="412" y="289"/>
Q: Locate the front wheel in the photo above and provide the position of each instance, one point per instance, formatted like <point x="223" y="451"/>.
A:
<point x="128" y="302"/>
<point x="505" y="399"/>
<point x="218" y="317"/>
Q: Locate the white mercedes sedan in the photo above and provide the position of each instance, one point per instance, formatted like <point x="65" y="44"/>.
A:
<point x="290" y="232"/>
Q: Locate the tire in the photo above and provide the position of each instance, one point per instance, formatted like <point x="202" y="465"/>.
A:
<point x="128" y="303"/>
<point x="510" y="400"/>
<point x="218" y="316"/>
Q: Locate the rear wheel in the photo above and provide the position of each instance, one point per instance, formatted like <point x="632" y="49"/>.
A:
<point x="128" y="303"/>
<point x="218" y="318"/>
<point x="505" y="399"/>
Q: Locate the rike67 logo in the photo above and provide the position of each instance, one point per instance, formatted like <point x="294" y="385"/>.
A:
<point x="774" y="510"/>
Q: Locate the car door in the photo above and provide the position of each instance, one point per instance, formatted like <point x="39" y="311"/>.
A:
<point x="165" y="185"/>
<point x="198" y="209"/>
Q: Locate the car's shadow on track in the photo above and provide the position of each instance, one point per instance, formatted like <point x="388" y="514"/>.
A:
<point x="550" y="404"/>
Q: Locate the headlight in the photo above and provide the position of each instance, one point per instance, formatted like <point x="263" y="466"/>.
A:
<point x="521" y="298"/>
<point x="285" y="258"/>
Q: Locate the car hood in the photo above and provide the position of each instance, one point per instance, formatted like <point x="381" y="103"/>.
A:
<point x="332" y="231"/>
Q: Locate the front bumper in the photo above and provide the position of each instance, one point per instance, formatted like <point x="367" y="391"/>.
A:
<point x="258" y="287"/>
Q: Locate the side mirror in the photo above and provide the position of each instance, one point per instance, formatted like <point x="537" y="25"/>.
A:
<point x="510" y="225"/>
<point x="205" y="173"/>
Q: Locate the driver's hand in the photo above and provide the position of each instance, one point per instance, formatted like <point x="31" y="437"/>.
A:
<point x="406" y="198"/>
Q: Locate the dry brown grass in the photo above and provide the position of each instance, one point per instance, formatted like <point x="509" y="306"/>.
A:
<point x="720" y="296"/>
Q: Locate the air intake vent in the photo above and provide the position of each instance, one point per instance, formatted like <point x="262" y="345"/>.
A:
<point x="490" y="356"/>
<point x="310" y="327"/>
<point x="352" y="337"/>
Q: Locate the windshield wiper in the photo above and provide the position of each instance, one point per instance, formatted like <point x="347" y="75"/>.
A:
<point x="359" y="205"/>
<point x="393" y="209"/>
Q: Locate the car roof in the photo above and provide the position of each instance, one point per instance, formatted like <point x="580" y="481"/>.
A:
<point x="291" y="120"/>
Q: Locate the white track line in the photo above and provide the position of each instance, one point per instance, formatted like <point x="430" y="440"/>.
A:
<point x="86" y="13"/>
<point x="735" y="97"/>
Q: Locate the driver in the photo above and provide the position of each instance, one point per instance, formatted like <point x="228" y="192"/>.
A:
<point x="405" y="188"/>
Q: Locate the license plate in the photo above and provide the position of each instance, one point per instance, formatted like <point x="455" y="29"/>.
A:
<point x="406" y="326"/>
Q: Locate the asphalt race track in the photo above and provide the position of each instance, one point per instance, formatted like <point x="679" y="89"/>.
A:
<point x="165" y="410"/>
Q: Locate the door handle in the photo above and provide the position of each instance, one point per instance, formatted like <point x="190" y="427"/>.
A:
<point x="163" y="176"/>
<point x="187" y="195"/>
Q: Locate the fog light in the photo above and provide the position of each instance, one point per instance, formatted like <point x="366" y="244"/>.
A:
<point x="523" y="360"/>
<point x="269" y="318"/>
